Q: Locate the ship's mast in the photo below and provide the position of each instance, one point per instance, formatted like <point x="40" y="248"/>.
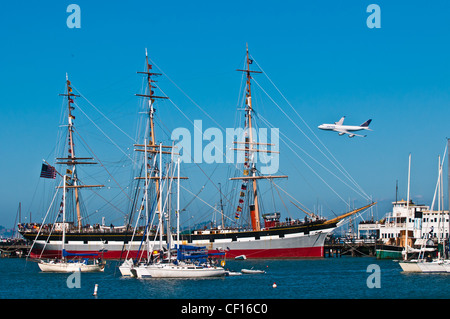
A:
<point x="71" y="179"/>
<point x="72" y="150"/>
<point x="254" y="214"/>
<point x="251" y="150"/>
<point x="151" y="98"/>
<point x="151" y="147"/>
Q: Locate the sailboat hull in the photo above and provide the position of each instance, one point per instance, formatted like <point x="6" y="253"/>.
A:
<point x="410" y="266"/>
<point x="69" y="267"/>
<point x="125" y="268"/>
<point x="435" y="266"/>
<point x="174" y="271"/>
<point x="446" y="265"/>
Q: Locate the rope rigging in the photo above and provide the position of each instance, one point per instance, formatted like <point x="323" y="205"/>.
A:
<point x="335" y="163"/>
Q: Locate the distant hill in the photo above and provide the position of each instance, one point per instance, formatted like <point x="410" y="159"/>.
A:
<point x="5" y="232"/>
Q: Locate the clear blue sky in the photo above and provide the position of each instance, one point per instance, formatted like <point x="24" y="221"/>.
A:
<point x="321" y="55"/>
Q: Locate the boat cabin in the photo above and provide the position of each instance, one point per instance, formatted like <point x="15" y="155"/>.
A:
<point x="271" y="220"/>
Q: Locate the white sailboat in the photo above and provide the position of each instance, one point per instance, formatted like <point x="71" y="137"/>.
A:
<point x="427" y="264"/>
<point x="64" y="265"/>
<point x="67" y="265"/>
<point x="177" y="271"/>
<point x="189" y="262"/>
<point x="180" y="267"/>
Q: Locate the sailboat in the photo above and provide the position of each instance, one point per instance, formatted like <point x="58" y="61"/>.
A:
<point x="188" y="262"/>
<point x="426" y="263"/>
<point x="182" y="267"/>
<point x="65" y="264"/>
<point x="70" y="181"/>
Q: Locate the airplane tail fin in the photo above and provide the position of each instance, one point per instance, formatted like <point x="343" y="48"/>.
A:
<point x="340" y="122"/>
<point x="366" y="123"/>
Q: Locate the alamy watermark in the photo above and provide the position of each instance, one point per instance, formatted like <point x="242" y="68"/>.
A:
<point x="74" y="19"/>
<point x="374" y="19"/>
<point x="374" y="279"/>
<point x="74" y="280"/>
<point x="239" y="146"/>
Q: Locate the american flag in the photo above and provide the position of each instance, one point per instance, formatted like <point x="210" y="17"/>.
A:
<point x="48" y="171"/>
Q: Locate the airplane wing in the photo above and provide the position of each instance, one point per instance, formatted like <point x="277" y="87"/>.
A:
<point x="350" y="134"/>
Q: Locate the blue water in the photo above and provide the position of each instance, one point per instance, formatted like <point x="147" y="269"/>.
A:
<point x="344" y="278"/>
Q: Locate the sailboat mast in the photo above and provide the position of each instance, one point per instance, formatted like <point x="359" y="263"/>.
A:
<point x="407" y="209"/>
<point x="448" y="187"/>
<point x="221" y="204"/>
<point x="64" y="217"/>
<point x="160" y="196"/>
<point x="178" y="204"/>
<point x="440" y="204"/>
<point x="146" y="196"/>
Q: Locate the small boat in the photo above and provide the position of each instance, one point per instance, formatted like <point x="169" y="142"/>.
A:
<point x="240" y="257"/>
<point x="72" y="265"/>
<point x="190" y="262"/>
<point x="233" y="273"/>
<point x="66" y="267"/>
<point x="252" y="271"/>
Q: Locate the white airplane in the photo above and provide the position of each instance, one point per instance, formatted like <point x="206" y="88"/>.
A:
<point x="346" y="129"/>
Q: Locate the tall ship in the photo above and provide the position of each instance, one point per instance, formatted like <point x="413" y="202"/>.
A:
<point x="264" y="235"/>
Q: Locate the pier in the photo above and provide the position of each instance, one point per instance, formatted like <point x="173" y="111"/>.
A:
<point x="14" y="248"/>
<point x="345" y="247"/>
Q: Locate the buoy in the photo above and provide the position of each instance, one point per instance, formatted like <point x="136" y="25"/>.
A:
<point x="95" y="290"/>
<point x="274" y="285"/>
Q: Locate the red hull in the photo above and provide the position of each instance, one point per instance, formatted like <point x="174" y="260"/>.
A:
<point x="306" y="252"/>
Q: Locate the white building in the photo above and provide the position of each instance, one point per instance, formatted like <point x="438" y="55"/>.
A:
<point x="420" y="221"/>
